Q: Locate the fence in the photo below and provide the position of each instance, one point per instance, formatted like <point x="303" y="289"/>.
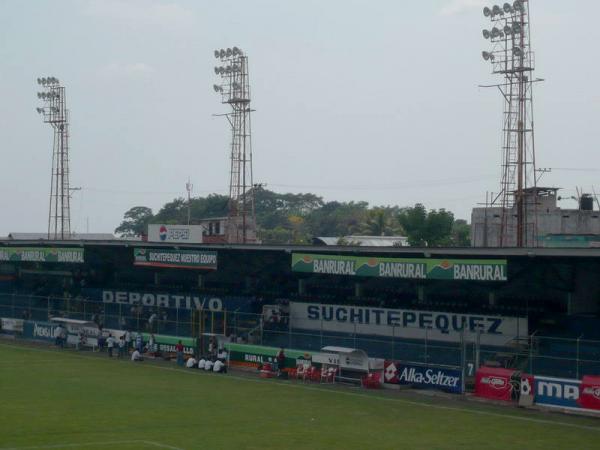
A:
<point x="538" y="355"/>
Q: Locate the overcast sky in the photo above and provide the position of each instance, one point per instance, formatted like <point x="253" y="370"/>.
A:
<point x="355" y="100"/>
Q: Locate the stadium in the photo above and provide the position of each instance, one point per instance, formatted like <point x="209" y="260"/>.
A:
<point x="534" y="314"/>
<point x="252" y="318"/>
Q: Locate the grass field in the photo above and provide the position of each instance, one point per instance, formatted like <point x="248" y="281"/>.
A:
<point x="61" y="399"/>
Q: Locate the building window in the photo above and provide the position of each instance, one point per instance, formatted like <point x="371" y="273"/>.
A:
<point x="210" y="229"/>
<point x="217" y="227"/>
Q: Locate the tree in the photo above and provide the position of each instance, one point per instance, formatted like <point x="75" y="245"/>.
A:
<point x="135" y="222"/>
<point x="381" y="221"/>
<point x="427" y="229"/>
<point x="461" y="233"/>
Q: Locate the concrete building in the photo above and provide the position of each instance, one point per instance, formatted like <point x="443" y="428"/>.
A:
<point x="556" y="227"/>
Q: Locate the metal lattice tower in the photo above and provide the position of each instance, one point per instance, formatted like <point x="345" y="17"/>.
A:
<point x="54" y="111"/>
<point x="511" y="58"/>
<point x="235" y="92"/>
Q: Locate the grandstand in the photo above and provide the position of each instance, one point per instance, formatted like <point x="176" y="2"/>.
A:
<point x="548" y="298"/>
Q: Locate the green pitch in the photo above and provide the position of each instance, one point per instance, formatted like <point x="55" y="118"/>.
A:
<point x="61" y="399"/>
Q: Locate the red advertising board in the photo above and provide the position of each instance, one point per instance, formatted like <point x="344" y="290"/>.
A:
<point x="589" y="392"/>
<point x="493" y="383"/>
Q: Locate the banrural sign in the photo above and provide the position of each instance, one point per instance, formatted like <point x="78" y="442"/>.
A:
<point x="180" y="259"/>
<point x="408" y="268"/>
<point x="410" y="324"/>
<point x="42" y="254"/>
<point x="255" y="355"/>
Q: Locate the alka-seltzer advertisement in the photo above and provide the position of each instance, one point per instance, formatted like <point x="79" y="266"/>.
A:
<point x="42" y="254"/>
<point x="409" y="268"/>
<point x="181" y="259"/>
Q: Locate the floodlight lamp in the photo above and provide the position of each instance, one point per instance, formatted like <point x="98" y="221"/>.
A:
<point x="507" y="29"/>
<point x="216" y="87"/>
<point x="517" y="51"/>
<point x="495" y="32"/>
<point x="44" y="81"/>
<point x="492" y="57"/>
<point x="487" y="12"/>
<point x="516" y="28"/>
<point x="518" y="6"/>
<point x="222" y="53"/>
<point x="228" y="52"/>
<point x="217" y="54"/>
<point x="236" y="51"/>
<point x="39" y="81"/>
<point x="507" y="8"/>
<point x="496" y="10"/>
<point x="39" y="110"/>
<point x="486" y="34"/>
<point x="501" y="35"/>
<point x="485" y="55"/>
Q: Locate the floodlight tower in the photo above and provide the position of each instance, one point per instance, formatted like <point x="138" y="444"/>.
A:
<point x="512" y="59"/>
<point x="235" y="92"/>
<point x="54" y="112"/>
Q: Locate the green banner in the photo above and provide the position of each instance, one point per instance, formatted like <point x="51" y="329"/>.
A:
<point x="42" y="254"/>
<point x="409" y="268"/>
<point x="253" y="355"/>
<point x="182" y="259"/>
<point x="166" y="344"/>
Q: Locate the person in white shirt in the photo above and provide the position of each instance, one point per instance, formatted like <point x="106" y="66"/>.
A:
<point x="58" y="336"/>
<point x="110" y="343"/>
<point x="202" y="363"/>
<point x="191" y="363"/>
<point x="136" y="356"/>
<point x="220" y="367"/>
<point x="209" y="365"/>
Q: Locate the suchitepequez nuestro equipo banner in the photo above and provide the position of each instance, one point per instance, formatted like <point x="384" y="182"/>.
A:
<point x="410" y="324"/>
<point x="180" y="259"/>
<point x="176" y="300"/>
<point x="428" y="377"/>
<point x="42" y="254"/>
<point x="409" y="268"/>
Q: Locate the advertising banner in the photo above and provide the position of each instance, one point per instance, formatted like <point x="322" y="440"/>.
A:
<point x="589" y="397"/>
<point x="557" y="392"/>
<point x="409" y="268"/>
<point x="170" y="300"/>
<point x="182" y="234"/>
<point x="42" y="254"/>
<point x="254" y="355"/>
<point x="428" y="377"/>
<point x="179" y="259"/>
<point x="412" y="324"/>
<point x="11" y="325"/>
<point x="166" y="344"/>
<point x="494" y="383"/>
<point x="39" y="330"/>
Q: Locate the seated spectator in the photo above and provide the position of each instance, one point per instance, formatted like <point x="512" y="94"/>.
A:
<point x="202" y="363"/>
<point x="222" y="354"/>
<point x="136" y="356"/>
<point x="191" y="363"/>
<point x="219" y="367"/>
<point x="209" y="364"/>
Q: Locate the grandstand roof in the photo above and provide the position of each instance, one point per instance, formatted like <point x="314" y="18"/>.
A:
<point x="443" y="252"/>
<point x="366" y="241"/>
<point x="75" y="236"/>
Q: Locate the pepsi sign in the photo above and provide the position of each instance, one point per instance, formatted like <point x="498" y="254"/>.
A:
<point x="182" y="234"/>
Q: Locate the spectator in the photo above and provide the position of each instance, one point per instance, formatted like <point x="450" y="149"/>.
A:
<point x="220" y="367"/>
<point x="58" y="336"/>
<point x="127" y="339"/>
<point x="211" y="347"/>
<point x="222" y="354"/>
<point x="281" y="360"/>
<point x="202" y="363"/>
<point x="191" y="363"/>
<point x="209" y="365"/>
<point x="151" y="321"/>
<point x="179" y="350"/>
<point x="81" y="340"/>
<point x="139" y="342"/>
<point x="152" y="344"/>
<point x="136" y="356"/>
<point x="101" y="341"/>
<point x="110" y="342"/>
<point x="121" y="346"/>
